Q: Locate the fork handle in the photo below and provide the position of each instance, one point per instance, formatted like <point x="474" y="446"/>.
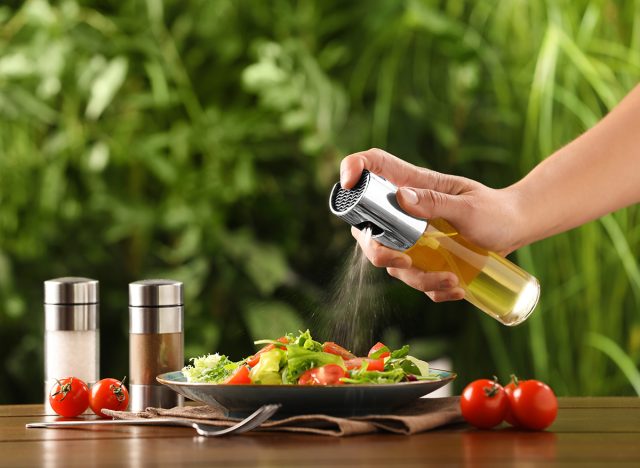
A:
<point x="101" y="422"/>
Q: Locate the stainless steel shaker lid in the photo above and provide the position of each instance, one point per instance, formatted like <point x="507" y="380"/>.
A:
<point x="372" y="202"/>
<point x="155" y="293"/>
<point x="71" y="290"/>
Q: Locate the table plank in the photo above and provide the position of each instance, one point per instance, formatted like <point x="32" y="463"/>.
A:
<point x="311" y="450"/>
<point x="588" y="432"/>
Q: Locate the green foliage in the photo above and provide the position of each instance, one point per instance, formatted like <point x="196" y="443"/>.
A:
<point x="198" y="141"/>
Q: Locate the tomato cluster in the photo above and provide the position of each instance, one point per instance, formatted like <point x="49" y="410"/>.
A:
<point x="70" y="396"/>
<point x="527" y="404"/>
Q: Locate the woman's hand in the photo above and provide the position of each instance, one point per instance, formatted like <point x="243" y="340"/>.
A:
<point x="484" y="216"/>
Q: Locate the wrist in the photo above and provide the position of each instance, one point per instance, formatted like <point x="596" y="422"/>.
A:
<point x="518" y="222"/>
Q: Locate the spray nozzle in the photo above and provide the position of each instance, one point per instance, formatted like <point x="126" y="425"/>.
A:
<point x="375" y="230"/>
<point x="372" y="202"/>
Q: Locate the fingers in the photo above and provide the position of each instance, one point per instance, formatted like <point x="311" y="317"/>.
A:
<point x="379" y="255"/>
<point x="397" y="171"/>
<point x="454" y="294"/>
<point x="428" y="204"/>
<point x="377" y="161"/>
<point x="438" y="285"/>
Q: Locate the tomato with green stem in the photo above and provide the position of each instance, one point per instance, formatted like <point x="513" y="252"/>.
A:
<point x="109" y="394"/>
<point x="533" y="405"/>
<point x="69" y="397"/>
<point x="510" y="416"/>
<point x="484" y="403"/>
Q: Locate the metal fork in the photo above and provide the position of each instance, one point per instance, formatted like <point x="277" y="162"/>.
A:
<point x="207" y="430"/>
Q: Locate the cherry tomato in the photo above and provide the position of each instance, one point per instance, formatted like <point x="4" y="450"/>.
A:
<point x="533" y="404"/>
<point x="484" y="403"/>
<point x="69" y="397"/>
<point x="372" y="364"/>
<point x="333" y="348"/>
<point x="329" y="374"/>
<point x="240" y="377"/>
<point x="510" y="417"/>
<point x="378" y="346"/>
<point x="109" y="394"/>
<point x="255" y="359"/>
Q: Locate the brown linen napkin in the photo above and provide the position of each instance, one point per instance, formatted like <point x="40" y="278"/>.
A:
<point x="423" y="415"/>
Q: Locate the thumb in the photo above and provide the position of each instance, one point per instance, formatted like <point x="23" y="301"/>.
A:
<point x="428" y="204"/>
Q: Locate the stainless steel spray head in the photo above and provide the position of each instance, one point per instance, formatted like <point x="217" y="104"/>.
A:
<point x="372" y="202"/>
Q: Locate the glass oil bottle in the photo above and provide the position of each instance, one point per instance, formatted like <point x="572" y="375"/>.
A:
<point x="492" y="283"/>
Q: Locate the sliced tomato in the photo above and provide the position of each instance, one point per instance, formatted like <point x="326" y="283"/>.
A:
<point x="283" y="340"/>
<point x="372" y="364"/>
<point x="255" y="359"/>
<point x="333" y="348"/>
<point x="329" y="374"/>
<point x="377" y="347"/>
<point x="240" y="377"/>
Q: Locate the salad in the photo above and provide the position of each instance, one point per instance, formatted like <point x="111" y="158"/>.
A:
<point x="300" y="360"/>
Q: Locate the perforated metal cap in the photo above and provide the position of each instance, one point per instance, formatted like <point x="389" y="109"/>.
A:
<point x="372" y="202"/>
<point x="155" y="293"/>
<point x="71" y="290"/>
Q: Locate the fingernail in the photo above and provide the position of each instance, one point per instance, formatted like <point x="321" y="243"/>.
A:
<point x="409" y="195"/>
<point x="445" y="284"/>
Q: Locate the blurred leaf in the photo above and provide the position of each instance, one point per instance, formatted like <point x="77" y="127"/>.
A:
<point x="271" y="319"/>
<point x="618" y="356"/>
<point x="105" y="86"/>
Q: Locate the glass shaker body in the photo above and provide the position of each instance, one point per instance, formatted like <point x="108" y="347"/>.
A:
<point x="71" y="337"/>
<point x="156" y="341"/>
<point x="492" y="283"/>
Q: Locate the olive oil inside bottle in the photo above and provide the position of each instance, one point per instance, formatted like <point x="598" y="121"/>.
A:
<point x="491" y="283"/>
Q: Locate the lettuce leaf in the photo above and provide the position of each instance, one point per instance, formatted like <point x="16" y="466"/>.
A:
<point x="362" y="376"/>
<point x="300" y="360"/>
<point x="212" y="368"/>
<point x="267" y="371"/>
<point x="305" y="341"/>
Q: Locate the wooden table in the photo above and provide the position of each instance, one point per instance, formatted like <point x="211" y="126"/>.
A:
<point x="588" y="432"/>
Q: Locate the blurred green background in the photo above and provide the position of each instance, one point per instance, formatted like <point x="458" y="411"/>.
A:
<point x="199" y="140"/>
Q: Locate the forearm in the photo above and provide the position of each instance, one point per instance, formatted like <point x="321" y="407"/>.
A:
<point x="597" y="173"/>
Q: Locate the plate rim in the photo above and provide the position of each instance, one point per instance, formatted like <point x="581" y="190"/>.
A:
<point x="161" y="379"/>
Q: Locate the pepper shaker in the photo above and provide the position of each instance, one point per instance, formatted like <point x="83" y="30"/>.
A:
<point x="156" y="341"/>
<point x="71" y="338"/>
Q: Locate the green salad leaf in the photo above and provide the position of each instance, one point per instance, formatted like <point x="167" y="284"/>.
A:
<point x="362" y="376"/>
<point x="267" y="371"/>
<point x="212" y="368"/>
<point x="305" y="341"/>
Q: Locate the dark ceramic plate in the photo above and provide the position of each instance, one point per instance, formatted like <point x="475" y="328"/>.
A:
<point x="346" y="400"/>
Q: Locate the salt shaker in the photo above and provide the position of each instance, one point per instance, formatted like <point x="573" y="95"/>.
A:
<point x="71" y="338"/>
<point x="156" y="341"/>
